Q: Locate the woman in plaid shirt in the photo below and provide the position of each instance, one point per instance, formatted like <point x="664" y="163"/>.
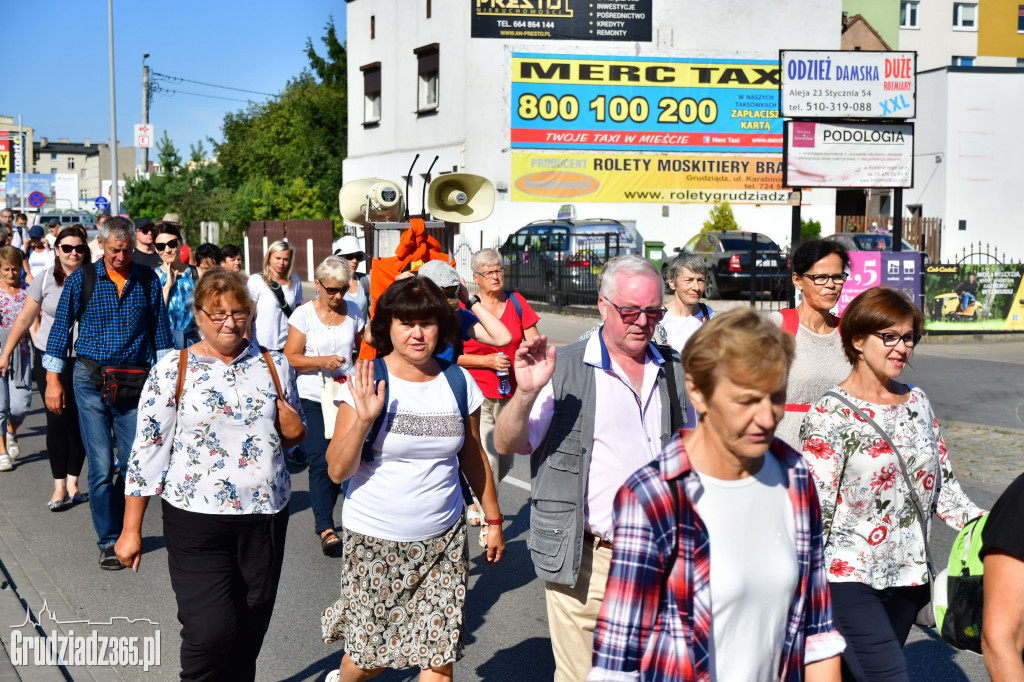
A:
<point x="717" y="571"/>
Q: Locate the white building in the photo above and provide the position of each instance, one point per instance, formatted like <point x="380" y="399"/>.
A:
<point x="428" y="87"/>
<point x="967" y="155"/>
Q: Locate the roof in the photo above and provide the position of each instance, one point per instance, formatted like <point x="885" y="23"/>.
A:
<point x="65" y="148"/>
<point x="859" y="19"/>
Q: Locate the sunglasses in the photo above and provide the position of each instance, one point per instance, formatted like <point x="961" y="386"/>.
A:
<point x="631" y="314"/>
<point x="145" y="229"/>
<point x="352" y="256"/>
<point x="331" y="291"/>
<point x="160" y="246"/>
<point x="79" y="248"/>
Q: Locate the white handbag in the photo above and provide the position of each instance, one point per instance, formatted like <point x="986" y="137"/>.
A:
<point x="328" y="386"/>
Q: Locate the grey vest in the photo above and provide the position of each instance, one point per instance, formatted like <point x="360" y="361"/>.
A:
<point x="560" y="465"/>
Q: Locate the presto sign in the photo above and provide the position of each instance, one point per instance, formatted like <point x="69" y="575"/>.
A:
<point x="847" y="84"/>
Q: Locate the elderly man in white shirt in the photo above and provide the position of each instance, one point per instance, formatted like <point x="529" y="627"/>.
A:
<point x="604" y="409"/>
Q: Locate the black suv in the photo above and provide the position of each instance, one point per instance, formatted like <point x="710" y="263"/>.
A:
<point x="727" y="255"/>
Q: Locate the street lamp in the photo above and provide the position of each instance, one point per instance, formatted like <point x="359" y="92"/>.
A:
<point x="115" y="203"/>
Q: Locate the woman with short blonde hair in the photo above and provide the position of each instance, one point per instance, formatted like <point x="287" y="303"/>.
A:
<point x="277" y="293"/>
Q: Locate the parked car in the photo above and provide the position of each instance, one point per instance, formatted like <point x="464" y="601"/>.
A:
<point x="83" y="218"/>
<point x="559" y="260"/>
<point x="730" y="268"/>
<point x="871" y="241"/>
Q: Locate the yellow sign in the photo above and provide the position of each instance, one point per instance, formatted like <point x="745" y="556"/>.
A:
<point x="647" y="178"/>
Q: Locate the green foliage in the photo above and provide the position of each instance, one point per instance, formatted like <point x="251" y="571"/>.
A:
<point x="279" y="160"/>
<point x="809" y="229"/>
<point x="721" y="219"/>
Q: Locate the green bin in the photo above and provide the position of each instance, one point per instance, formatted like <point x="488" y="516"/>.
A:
<point x="655" y="252"/>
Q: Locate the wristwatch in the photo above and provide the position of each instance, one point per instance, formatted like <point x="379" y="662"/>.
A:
<point x="472" y="302"/>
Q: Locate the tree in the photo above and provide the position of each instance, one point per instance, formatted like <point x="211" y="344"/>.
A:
<point x="721" y="219"/>
<point x="167" y="153"/>
<point x="333" y="70"/>
<point x="809" y="229"/>
<point x="197" y="155"/>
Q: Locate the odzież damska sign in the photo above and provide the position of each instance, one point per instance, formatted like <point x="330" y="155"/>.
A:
<point x="561" y="19"/>
<point x="846" y="154"/>
<point x="847" y="84"/>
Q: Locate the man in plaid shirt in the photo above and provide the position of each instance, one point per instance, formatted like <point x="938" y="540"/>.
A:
<point x="123" y="322"/>
<point x="718" y="571"/>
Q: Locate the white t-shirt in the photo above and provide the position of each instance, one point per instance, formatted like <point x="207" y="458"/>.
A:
<point x="410" y="491"/>
<point x="754" y="571"/>
<point x="39" y="261"/>
<point x="270" y="329"/>
<point x="337" y="339"/>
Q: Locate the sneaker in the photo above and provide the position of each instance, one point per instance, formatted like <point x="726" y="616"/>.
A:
<point x="5" y="463"/>
<point x="109" y="560"/>
<point x="333" y="676"/>
<point x="13" y="448"/>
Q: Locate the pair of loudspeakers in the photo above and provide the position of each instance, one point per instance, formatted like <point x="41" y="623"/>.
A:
<point x="453" y="197"/>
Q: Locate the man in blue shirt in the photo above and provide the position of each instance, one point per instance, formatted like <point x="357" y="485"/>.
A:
<point x="122" y="323"/>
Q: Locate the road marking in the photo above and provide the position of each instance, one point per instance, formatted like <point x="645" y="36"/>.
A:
<point x="517" y="483"/>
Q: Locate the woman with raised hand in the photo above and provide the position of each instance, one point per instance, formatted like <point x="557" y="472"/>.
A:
<point x="63" y="436"/>
<point x="400" y="442"/>
<point x="820" y="268"/>
<point x="882" y="470"/>
<point x="208" y="445"/>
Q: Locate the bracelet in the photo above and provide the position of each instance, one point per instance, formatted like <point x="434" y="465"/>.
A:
<point x="495" y="522"/>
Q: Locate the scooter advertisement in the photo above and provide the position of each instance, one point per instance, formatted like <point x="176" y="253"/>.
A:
<point x="974" y="298"/>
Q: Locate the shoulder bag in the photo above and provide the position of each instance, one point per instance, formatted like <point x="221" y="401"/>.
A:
<point x="926" y="616"/>
<point x="278" y="292"/>
<point x="287" y="421"/>
<point x="328" y="386"/>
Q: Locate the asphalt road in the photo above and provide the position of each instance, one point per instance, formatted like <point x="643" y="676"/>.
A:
<point x="52" y="557"/>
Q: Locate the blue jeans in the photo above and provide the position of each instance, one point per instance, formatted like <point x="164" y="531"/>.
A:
<point x="323" y="492"/>
<point x="106" y="486"/>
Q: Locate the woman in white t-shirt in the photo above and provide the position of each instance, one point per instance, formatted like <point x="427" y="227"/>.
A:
<point x="277" y="293"/>
<point x="403" y="580"/>
<point x="323" y="341"/>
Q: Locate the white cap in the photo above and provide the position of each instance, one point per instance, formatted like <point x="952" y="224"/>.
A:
<point x="343" y="246"/>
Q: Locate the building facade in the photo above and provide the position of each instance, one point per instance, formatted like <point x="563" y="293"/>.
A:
<point x="421" y="83"/>
<point x="952" y="33"/>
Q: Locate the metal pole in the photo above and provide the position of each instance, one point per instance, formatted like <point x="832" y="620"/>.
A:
<point x="794" y="240"/>
<point x="753" y="269"/>
<point x="115" y="203"/>
<point x="897" y="220"/>
<point x="24" y="167"/>
<point x="145" y="110"/>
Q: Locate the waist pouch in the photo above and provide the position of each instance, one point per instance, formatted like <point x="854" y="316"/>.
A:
<point x="119" y="385"/>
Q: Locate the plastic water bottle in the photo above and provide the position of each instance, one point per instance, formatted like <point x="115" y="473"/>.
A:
<point x="504" y="387"/>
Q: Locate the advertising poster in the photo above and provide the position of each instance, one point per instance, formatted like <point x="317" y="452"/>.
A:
<point x="848" y="84"/>
<point x="656" y="104"/>
<point x="974" y="297"/>
<point x="34" y="182"/>
<point x="868" y="269"/>
<point x="561" y="19"/>
<point x="5" y="158"/>
<point x="859" y="155"/>
<point x="647" y="178"/>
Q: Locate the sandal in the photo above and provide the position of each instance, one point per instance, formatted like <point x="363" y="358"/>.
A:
<point x="474" y="516"/>
<point x="57" y="505"/>
<point x="330" y="543"/>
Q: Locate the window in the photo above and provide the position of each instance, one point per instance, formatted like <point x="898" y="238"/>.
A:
<point x="53" y="157"/>
<point x="53" y="170"/>
<point x="373" y="27"/>
<point x="71" y="163"/>
<point x="965" y="16"/>
<point x="908" y="15"/>
<point x="1020" y="21"/>
<point x="371" y="93"/>
<point x="427" y="58"/>
<point x="963" y="61"/>
<point x="428" y="9"/>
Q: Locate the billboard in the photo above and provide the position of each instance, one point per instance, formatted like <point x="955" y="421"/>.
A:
<point x="657" y="104"/>
<point x="832" y="154"/>
<point x="974" y="298"/>
<point x="5" y="158"/>
<point x="34" y="182"/>
<point x="646" y="178"/>
<point x="561" y="19"/>
<point x="848" y="84"/>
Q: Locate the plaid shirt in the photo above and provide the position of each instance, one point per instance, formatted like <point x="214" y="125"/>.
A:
<point x="115" y="329"/>
<point x="647" y="633"/>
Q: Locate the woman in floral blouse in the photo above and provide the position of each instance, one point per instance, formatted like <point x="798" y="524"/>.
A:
<point x="215" y="458"/>
<point x="875" y="546"/>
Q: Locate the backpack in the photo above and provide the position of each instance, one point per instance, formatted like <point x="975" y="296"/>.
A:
<point x="515" y="304"/>
<point x="958" y="620"/>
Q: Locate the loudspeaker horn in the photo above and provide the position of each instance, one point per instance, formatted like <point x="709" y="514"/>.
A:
<point x="370" y="200"/>
<point x="460" y="197"/>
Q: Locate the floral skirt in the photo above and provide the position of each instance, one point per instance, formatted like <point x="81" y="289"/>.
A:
<point x="402" y="604"/>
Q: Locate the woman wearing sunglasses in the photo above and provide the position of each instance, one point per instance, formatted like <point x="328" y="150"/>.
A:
<point x="819" y="272"/>
<point x="358" y="291"/>
<point x="877" y="456"/>
<point x="63" y="436"/>
<point x="179" y="284"/>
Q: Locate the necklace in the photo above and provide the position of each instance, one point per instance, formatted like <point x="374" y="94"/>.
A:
<point x="327" y="311"/>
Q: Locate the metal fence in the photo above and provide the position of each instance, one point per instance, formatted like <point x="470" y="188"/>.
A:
<point x="924" y="234"/>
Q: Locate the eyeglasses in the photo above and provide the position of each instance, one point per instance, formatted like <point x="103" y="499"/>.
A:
<point x="160" y="246"/>
<point x="820" y="280"/>
<point x="331" y="291"/>
<point x="890" y="339"/>
<point x="239" y="316"/>
<point x="631" y="314"/>
<point x="78" y="248"/>
<point x="490" y="274"/>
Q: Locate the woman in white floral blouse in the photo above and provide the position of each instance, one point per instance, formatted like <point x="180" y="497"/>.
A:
<point x="215" y="458"/>
<point x="875" y="545"/>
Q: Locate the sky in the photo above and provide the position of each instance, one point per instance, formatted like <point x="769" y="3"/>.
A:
<point x="56" y="55"/>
